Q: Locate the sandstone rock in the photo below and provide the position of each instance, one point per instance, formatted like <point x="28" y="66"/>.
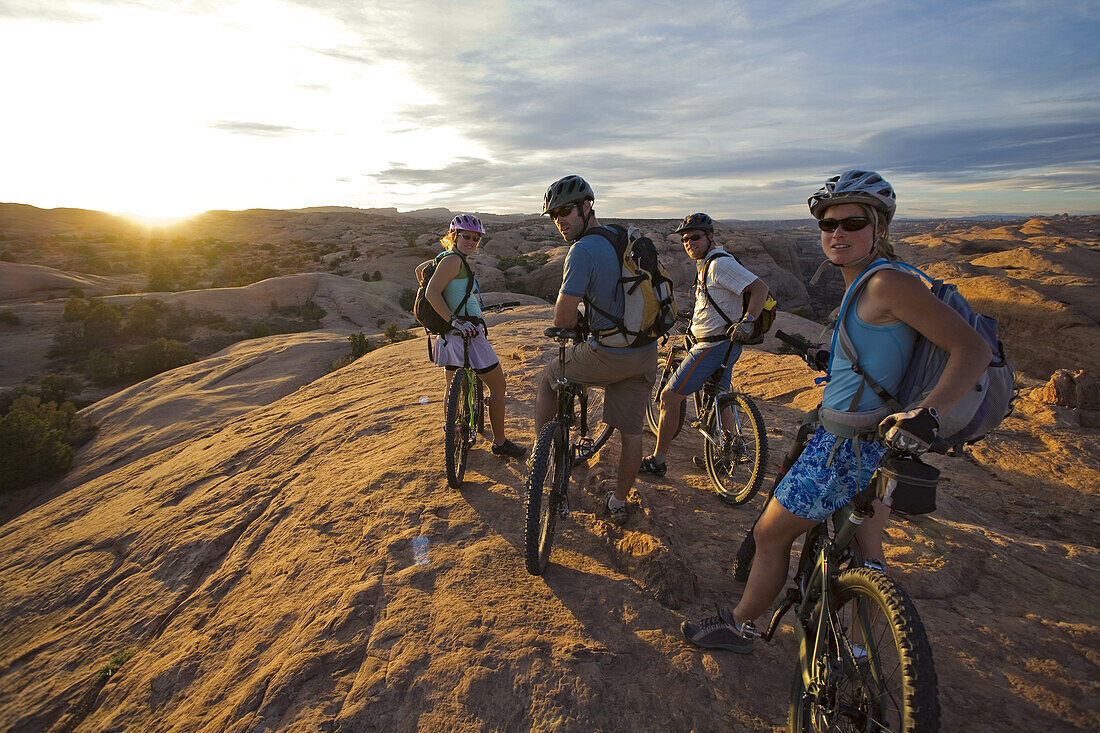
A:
<point x="1060" y="390"/>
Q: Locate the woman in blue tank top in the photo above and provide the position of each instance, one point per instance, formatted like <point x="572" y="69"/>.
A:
<point x="854" y="211"/>
<point x="454" y="294"/>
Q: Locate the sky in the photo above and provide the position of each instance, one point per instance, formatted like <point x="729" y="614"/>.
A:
<point x="742" y="109"/>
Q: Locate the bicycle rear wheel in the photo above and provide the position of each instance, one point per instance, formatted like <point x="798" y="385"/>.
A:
<point x="736" y="469"/>
<point x="876" y="672"/>
<point x="457" y="432"/>
<point x="653" y="407"/>
<point x="547" y="483"/>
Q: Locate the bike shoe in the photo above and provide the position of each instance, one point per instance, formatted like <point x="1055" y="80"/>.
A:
<point x="650" y="465"/>
<point x="509" y="449"/>
<point x="700" y="462"/>
<point x="618" y="516"/>
<point x="717" y="632"/>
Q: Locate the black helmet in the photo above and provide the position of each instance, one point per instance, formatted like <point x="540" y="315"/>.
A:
<point x="695" y="221"/>
<point x="855" y="187"/>
<point x="568" y="190"/>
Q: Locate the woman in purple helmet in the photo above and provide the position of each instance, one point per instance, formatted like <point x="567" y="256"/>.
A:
<point x="453" y="295"/>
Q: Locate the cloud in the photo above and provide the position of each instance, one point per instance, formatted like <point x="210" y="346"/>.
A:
<point x="986" y="148"/>
<point x="259" y="129"/>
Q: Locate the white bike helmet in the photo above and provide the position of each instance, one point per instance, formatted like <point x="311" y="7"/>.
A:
<point x="855" y="187"/>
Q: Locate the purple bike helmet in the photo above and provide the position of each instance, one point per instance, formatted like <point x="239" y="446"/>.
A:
<point x="467" y="223"/>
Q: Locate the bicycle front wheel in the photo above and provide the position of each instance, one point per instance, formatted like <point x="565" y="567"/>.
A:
<point x="457" y="428"/>
<point x="736" y="468"/>
<point x="547" y="483"/>
<point x="653" y="407"/>
<point x="875" y="672"/>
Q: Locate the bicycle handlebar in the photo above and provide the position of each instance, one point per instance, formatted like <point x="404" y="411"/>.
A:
<point x="794" y="343"/>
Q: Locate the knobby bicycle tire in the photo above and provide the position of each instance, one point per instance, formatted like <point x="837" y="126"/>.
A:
<point x="893" y="688"/>
<point x="544" y="497"/>
<point x="653" y="406"/>
<point x="456" y="428"/>
<point x="737" y="477"/>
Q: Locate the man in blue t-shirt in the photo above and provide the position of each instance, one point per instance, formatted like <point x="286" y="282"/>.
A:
<point x="592" y="271"/>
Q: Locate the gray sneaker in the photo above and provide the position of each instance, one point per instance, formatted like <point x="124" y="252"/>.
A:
<point x="717" y="632"/>
<point x="618" y="516"/>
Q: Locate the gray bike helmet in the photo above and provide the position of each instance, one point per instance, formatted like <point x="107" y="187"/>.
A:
<point x="859" y="187"/>
<point x="568" y="190"/>
<point x="695" y="221"/>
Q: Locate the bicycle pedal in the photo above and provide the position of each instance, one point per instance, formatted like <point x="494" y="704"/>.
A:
<point x="563" y="510"/>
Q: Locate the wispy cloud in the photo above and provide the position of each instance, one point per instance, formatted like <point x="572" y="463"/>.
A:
<point x="259" y="129"/>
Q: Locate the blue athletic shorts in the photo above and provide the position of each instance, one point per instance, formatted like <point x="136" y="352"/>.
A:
<point x="702" y="361"/>
<point x="814" y="490"/>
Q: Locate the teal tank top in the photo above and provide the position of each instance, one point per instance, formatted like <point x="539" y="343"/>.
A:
<point x="456" y="289"/>
<point x="884" y="353"/>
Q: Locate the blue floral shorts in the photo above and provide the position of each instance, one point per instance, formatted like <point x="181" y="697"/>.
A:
<point x="816" y="486"/>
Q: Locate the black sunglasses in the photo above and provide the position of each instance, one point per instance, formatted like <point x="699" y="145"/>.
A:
<point x="692" y="238"/>
<point x="849" y="224"/>
<point x="562" y="211"/>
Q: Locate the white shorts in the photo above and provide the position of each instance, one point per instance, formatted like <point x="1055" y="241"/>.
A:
<point x="447" y="352"/>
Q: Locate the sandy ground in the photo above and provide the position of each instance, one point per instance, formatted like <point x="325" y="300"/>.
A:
<point x="253" y="552"/>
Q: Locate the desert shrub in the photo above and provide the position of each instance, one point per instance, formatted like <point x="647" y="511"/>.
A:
<point x="360" y="345"/>
<point x="353" y="253"/>
<point x="365" y="277"/>
<point x="311" y="311"/>
<point x="406" y="299"/>
<point x="395" y="333"/>
<point x="76" y="308"/>
<point x="377" y="276"/>
<point x="103" y="323"/>
<point x="101" y="368"/>
<point x="528" y="261"/>
<point x="258" y="329"/>
<point x="160" y="356"/>
<point x="37" y="440"/>
<point x="143" y="319"/>
<point x="58" y="387"/>
<point x="9" y="318"/>
<point x="75" y="292"/>
<point x="7" y="256"/>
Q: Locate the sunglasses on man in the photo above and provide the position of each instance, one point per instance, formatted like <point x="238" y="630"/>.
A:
<point x="562" y="211"/>
<point x="691" y="238"/>
<point x="849" y="224"/>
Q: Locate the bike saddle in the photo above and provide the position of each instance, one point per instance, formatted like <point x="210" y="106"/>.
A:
<point x="559" y="333"/>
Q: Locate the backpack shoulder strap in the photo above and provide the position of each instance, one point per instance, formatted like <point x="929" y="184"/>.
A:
<point x="706" y="293"/>
<point x="844" y="342"/>
<point x="469" y="278"/>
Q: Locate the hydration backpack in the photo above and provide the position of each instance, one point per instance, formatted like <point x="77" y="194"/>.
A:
<point x="649" y="308"/>
<point x="976" y="414"/>
<point x="426" y="315"/>
<point x="761" y="325"/>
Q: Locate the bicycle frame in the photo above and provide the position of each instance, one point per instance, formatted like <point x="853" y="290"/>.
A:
<point x="814" y="584"/>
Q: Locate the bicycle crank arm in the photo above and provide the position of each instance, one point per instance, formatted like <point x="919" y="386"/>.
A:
<point x="793" y="597"/>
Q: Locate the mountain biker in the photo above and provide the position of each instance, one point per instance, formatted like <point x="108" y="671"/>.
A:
<point x="716" y="338"/>
<point x="445" y="292"/>
<point x="854" y="211"/>
<point x="591" y="273"/>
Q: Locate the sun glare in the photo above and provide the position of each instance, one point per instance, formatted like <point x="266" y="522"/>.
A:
<point x="165" y="114"/>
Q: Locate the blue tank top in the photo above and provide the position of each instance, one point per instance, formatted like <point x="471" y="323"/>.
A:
<point x="884" y="353"/>
<point x="456" y="289"/>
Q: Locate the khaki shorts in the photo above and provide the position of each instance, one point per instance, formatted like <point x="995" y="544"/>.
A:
<point x="627" y="379"/>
